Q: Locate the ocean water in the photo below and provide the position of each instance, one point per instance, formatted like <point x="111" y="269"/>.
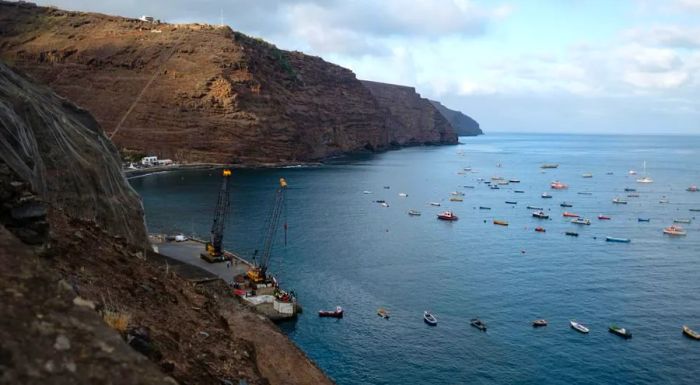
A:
<point x="344" y="249"/>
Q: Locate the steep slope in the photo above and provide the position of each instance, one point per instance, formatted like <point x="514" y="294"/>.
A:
<point x="463" y="124"/>
<point x="70" y="268"/>
<point x="410" y="119"/>
<point x="213" y="95"/>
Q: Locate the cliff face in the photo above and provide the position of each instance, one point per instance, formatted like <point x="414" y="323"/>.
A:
<point x="410" y="119"/>
<point x="463" y="124"/>
<point x="213" y="95"/>
<point x="61" y="152"/>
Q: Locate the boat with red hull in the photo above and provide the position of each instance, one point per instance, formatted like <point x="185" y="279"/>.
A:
<point x="447" y="216"/>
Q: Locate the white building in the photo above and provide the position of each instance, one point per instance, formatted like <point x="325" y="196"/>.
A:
<point x="149" y="160"/>
<point x="164" y="162"/>
<point x="146" y="18"/>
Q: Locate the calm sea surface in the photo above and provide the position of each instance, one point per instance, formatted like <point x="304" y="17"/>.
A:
<point x="344" y="249"/>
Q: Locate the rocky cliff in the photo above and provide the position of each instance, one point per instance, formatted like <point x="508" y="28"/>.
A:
<point x="203" y="93"/>
<point x="463" y="124"/>
<point x="81" y="301"/>
<point x="410" y="119"/>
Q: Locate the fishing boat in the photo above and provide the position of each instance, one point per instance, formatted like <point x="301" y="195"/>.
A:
<point x="337" y="313"/>
<point x="587" y="175"/>
<point x="540" y="229"/>
<point x="477" y="323"/>
<point x="629" y="189"/>
<point x="691" y="333"/>
<point x="403" y="195"/>
<point x="578" y="327"/>
<point x="457" y="193"/>
<point x="643" y="219"/>
<point x="383" y="313"/>
<point x="674" y="230"/>
<point x="534" y="208"/>
<point x="456" y="199"/>
<point x="484" y="208"/>
<point x="603" y="217"/>
<point x="429" y="318"/>
<point x="692" y="188"/>
<point x="538" y="323"/>
<point x="619" y="201"/>
<point x="622" y="332"/>
<point x="447" y="216"/>
<point x="511" y="202"/>
<point x="435" y="203"/>
<point x="550" y="165"/>
<point x="581" y="221"/>
<point x="570" y="215"/>
<point x="618" y="240"/>
<point x="500" y="222"/>
<point x="540" y="214"/>
<point x="519" y="191"/>
<point x="571" y="233"/>
<point x="514" y="180"/>
<point x="682" y="220"/>
<point x="566" y="204"/>
<point x="645" y="178"/>
<point x="558" y="185"/>
<point x="546" y="196"/>
<point x="414" y="212"/>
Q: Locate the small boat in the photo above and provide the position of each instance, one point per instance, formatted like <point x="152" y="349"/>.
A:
<point x="467" y="169"/>
<point x="366" y="192"/>
<point x="558" y="185"/>
<point x="519" y="191"/>
<point x="584" y="193"/>
<point x="546" y="196"/>
<point x="540" y="229"/>
<point x="514" y="180"/>
<point x="387" y="187"/>
<point x="494" y="187"/>
<point x="691" y="333"/>
<point x="457" y="193"/>
<point x="550" y="165"/>
<point x="618" y="240"/>
<point x="539" y="323"/>
<point x="540" y="214"/>
<point x="694" y="210"/>
<point x="682" y="220"/>
<point x="447" y="216"/>
<point x="477" y="323"/>
<point x="429" y="318"/>
<point x="511" y="203"/>
<point x="570" y="215"/>
<point x="566" y="204"/>
<point x="581" y="221"/>
<point x="403" y="195"/>
<point x="633" y="195"/>
<point x="456" y="199"/>
<point x="632" y="172"/>
<point x="629" y="189"/>
<point x="383" y="313"/>
<point x="435" y="203"/>
<point x="645" y="178"/>
<point x="384" y="204"/>
<point x="380" y="201"/>
<point x="603" y="217"/>
<point x="487" y="182"/>
<point x="609" y="173"/>
<point x="571" y="233"/>
<point x="484" y="208"/>
<point x="534" y="208"/>
<point x="587" y="175"/>
<point x="414" y="212"/>
<point x="692" y="188"/>
<point x="664" y="201"/>
<point x="466" y="186"/>
<point x="578" y="327"/>
<point x="674" y="230"/>
<point x="643" y="219"/>
<point x="619" y="201"/>
<point x="502" y="182"/>
<point x="500" y="222"/>
<point x="622" y="332"/>
<point x="337" y="313"/>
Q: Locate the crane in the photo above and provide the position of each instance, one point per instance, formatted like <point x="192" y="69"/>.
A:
<point x="258" y="273"/>
<point x="214" y="252"/>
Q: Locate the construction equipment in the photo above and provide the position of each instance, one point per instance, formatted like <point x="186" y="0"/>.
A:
<point x="214" y="251"/>
<point x="258" y="273"/>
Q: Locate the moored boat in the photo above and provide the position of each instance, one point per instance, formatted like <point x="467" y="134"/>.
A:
<point x="484" y="208"/>
<point x="539" y="323"/>
<point x="692" y="188"/>
<point x="581" y="221"/>
<point x="558" y="185"/>
<point x="629" y="189"/>
<point x="384" y="204"/>
<point x="534" y="208"/>
<point x="383" y="313"/>
<point x="587" y="175"/>
<point x="584" y="193"/>
<point x="566" y="204"/>
<point x="550" y="165"/>
<point x="619" y="201"/>
<point x="645" y="178"/>
<point x="457" y="193"/>
<point x="540" y="214"/>
<point x="414" y="212"/>
<point x="337" y="313"/>
<point x="540" y="229"/>
<point x="447" y="216"/>
<point x="633" y="195"/>
<point x="691" y="333"/>
<point x="403" y="195"/>
<point x="694" y="210"/>
<point x="456" y="199"/>
<point x="622" y="332"/>
<point x="578" y="327"/>
<point x="603" y="217"/>
<point x="643" y="219"/>
<point x="674" y="230"/>
<point x="511" y="202"/>
<point x="435" y="204"/>
<point x="366" y="192"/>
<point x="519" y="191"/>
<point x="546" y="196"/>
<point x="429" y="318"/>
<point x="618" y="240"/>
<point x="477" y="323"/>
<point x="682" y="220"/>
<point x="570" y="215"/>
<point x="494" y="187"/>
<point x="571" y="233"/>
<point x="514" y="180"/>
<point x="500" y="222"/>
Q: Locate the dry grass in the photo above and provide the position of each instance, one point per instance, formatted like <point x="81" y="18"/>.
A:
<point x="117" y="320"/>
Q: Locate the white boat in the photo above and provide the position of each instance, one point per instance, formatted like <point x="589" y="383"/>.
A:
<point x="403" y="195"/>
<point x="429" y="318"/>
<point x="645" y="178"/>
<point x="578" y="327"/>
<point x="435" y="203"/>
<point x="587" y="175"/>
<point x="632" y="172"/>
<point x="414" y="212"/>
<point x="674" y="230"/>
<point x="384" y="204"/>
<point x="457" y="193"/>
<point x="682" y="220"/>
<point x="366" y="192"/>
<point x="619" y="201"/>
<point x="581" y="221"/>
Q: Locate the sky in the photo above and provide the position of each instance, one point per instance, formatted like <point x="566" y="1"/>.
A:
<point x="568" y="66"/>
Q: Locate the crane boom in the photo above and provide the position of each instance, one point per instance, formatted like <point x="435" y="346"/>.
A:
<point x="258" y="273"/>
<point x="214" y="248"/>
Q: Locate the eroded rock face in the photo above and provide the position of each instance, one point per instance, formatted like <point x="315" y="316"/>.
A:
<point x="463" y="124"/>
<point x="214" y="95"/>
<point x="62" y="153"/>
<point x="411" y="120"/>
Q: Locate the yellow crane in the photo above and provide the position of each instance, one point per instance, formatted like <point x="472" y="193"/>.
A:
<point x="258" y="273"/>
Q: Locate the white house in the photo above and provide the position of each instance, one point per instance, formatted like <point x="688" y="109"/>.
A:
<point x="149" y="160"/>
<point x="164" y="162"/>
<point x="146" y="18"/>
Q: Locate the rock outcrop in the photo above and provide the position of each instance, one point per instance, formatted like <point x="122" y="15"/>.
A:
<point x="410" y="119"/>
<point x="463" y="124"/>
<point x="201" y="93"/>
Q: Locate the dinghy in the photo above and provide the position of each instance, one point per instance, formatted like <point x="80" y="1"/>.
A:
<point x="429" y="318"/>
<point x="578" y="327"/>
